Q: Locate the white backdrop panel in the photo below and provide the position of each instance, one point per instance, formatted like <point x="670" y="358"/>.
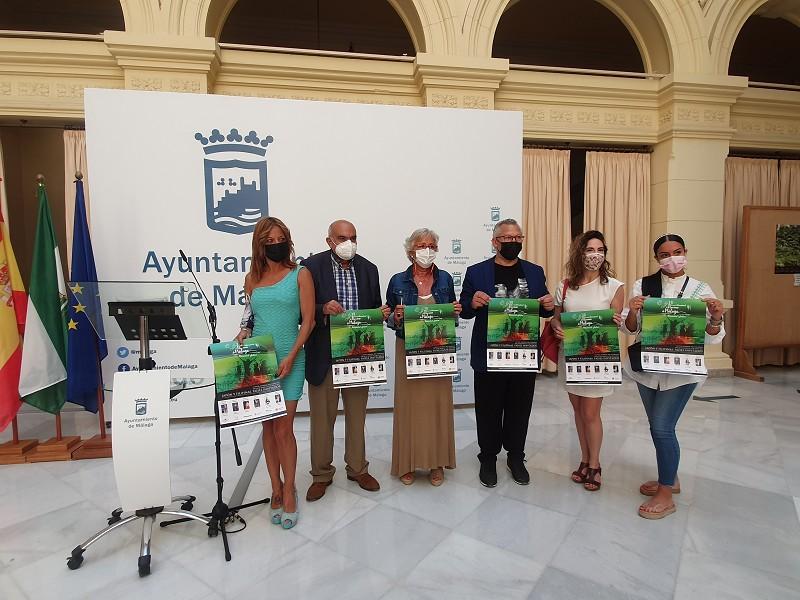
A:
<point x="156" y="188"/>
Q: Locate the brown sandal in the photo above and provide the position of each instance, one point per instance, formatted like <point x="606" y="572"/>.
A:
<point x="578" y="475"/>
<point x="649" y="488"/>
<point x="436" y="477"/>
<point x="591" y="479"/>
<point x="408" y="478"/>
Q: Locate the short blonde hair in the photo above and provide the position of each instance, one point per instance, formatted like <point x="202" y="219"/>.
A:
<point x="417" y="235"/>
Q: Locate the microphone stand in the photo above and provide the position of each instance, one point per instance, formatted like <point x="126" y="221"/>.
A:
<point x="221" y="513"/>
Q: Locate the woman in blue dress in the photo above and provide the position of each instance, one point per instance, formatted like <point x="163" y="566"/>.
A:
<point x="281" y="297"/>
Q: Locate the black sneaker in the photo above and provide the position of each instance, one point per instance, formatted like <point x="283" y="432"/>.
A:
<point x="518" y="471"/>
<point x="488" y="474"/>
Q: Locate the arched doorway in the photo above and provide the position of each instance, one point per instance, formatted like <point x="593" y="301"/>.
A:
<point x="93" y="16"/>
<point x="767" y="50"/>
<point x="568" y="33"/>
<point x="363" y="26"/>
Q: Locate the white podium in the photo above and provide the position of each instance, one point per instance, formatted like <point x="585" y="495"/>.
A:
<point x="141" y="398"/>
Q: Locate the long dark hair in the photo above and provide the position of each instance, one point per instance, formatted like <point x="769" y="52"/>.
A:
<point x="259" y="262"/>
<point x="667" y="237"/>
<point x="575" y="269"/>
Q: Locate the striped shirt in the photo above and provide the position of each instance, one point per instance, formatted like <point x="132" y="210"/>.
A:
<point x="346" y="287"/>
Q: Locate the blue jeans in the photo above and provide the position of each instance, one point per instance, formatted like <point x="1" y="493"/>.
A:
<point x="664" y="408"/>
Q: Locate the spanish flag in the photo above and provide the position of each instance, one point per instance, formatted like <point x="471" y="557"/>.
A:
<point x="13" y="304"/>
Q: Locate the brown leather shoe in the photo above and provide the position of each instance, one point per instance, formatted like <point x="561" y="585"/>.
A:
<point x="366" y="482"/>
<point x="317" y="490"/>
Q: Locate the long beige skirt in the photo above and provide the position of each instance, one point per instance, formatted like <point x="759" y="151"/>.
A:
<point x="424" y="434"/>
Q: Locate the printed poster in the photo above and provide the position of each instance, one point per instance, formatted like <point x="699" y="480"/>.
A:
<point x="248" y="389"/>
<point x="591" y="348"/>
<point x="430" y="340"/>
<point x="673" y="333"/>
<point x="512" y="335"/>
<point x="357" y="348"/>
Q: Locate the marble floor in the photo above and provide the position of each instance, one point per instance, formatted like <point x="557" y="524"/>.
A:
<point x="736" y="533"/>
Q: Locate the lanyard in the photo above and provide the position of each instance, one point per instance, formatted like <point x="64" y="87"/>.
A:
<point x="683" y="288"/>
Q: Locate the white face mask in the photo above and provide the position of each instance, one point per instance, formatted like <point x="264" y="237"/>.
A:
<point x="424" y="257"/>
<point x="673" y="264"/>
<point x="346" y="250"/>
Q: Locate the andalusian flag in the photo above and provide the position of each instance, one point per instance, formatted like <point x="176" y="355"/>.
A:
<point x="12" y="323"/>
<point x="44" y="351"/>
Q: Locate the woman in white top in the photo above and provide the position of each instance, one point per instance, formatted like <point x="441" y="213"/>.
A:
<point x="665" y="395"/>
<point x="589" y="285"/>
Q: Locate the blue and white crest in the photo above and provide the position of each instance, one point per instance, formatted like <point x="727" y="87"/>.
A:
<point x="235" y="170"/>
<point x="456" y="278"/>
<point x="456" y="247"/>
<point x="494" y="214"/>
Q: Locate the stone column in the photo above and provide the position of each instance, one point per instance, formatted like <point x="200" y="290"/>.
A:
<point x="163" y="62"/>
<point x="688" y="175"/>
<point x="459" y="81"/>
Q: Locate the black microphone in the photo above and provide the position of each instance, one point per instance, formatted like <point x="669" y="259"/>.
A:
<point x="212" y="312"/>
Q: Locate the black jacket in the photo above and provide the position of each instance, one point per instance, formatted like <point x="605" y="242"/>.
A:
<point x="318" y="346"/>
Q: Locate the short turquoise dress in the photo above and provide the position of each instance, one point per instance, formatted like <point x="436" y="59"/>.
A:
<point x="276" y="309"/>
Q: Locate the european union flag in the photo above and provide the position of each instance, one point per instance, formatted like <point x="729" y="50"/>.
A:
<point x="85" y="349"/>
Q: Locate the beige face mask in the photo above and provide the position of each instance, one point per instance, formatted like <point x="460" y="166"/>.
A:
<point x="593" y="260"/>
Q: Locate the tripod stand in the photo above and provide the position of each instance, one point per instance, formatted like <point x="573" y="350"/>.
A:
<point x="164" y="319"/>
<point x="221" y="513"/>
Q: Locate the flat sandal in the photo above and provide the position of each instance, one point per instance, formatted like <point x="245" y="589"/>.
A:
<point x="408" y="478"/>
<point x="436" y="477"/>
<point x="655" y="515"/>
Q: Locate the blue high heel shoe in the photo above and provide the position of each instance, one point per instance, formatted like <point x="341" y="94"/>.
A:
<point x="276" y="514"/>
<point x="290" y="518"/>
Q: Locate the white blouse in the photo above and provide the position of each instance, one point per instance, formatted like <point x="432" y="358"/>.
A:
<point x="594" y="295"/>
<point x="670" y="288"/>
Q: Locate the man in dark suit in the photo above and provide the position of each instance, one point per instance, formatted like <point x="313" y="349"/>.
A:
<point x="343" y="281"/>
<point x="503" y="401"/>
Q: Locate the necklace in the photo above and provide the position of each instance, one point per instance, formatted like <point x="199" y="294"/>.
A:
<point x="421" y="274"/>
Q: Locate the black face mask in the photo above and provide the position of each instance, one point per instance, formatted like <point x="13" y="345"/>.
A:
<point x="277" y="252"/>
<point x="510" y="250"/>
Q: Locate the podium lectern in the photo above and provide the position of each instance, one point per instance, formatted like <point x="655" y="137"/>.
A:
<point x="122" y="312"/>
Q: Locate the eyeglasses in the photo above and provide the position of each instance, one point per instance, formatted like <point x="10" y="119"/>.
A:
<point x="426" y="247"/>
<point x="510" y="238"/>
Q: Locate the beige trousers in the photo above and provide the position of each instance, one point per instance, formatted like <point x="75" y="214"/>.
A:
<point x="324" y="404"/>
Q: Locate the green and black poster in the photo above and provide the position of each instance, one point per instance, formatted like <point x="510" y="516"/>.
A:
<point x="512" y="335"/>
<point x="357" y="348"/>
<point x="673" y="334"/>
<point x="248" y="388"/>
<point x="591" y="347"/>
<point x="430" y="340"/>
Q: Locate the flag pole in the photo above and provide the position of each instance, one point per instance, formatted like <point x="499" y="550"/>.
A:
<point x="100" y="412"/>
<point x="59" y="447"/>
<point x="98" y="446"/>
<point x="15" y="451"/>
